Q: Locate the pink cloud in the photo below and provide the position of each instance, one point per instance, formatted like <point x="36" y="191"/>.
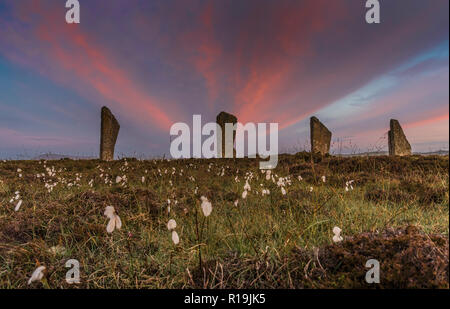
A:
<point x="68" y="55"/>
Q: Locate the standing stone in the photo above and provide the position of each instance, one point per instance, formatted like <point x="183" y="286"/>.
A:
<point x="320" y="137"/>
<point x="109" y="130"/>
<point x="221" y="120"/>
<point x="398" y="144"/>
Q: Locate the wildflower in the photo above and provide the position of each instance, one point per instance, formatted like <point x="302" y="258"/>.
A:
<point x="143" y="179"/>
<point x="172" y="224"/>
<point x="300" y="178"/>
<point x="37" y="275"/>
<point x="118" y="179"/>
<point x="311" y="189"/>
<point x="114" y="219"/>
<point x="337" y="234"/>
<point x="206" y="206"/>
<point x="283" y="191"/>
<point x="324" y="179"/>
<point x="268" y="174"/>
<point x="175" y="238"/>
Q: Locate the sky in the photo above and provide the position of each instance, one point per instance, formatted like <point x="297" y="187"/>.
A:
<point x="155" y="63"/>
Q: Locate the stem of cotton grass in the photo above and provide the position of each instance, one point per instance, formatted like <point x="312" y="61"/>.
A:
<point x="198" y="240"/>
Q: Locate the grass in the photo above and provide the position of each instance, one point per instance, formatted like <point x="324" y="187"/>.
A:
<point x="265" y="241"/>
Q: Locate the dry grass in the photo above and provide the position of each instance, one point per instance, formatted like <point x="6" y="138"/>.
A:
<point x="265" y="242"/>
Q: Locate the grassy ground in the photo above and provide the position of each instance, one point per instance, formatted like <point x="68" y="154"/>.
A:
<point x="397" y="213"/>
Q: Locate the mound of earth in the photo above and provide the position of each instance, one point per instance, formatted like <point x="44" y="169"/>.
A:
<point x="408" y="259"/>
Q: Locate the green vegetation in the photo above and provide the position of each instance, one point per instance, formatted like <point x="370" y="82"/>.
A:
<point x="397" y="212"/>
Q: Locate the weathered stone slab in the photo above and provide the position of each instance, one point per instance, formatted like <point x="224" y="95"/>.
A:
<point x="320" y="137"/>
<point x="398" y="144"/>
<point x="109" y="131"/>
<point x="221" y="120"/>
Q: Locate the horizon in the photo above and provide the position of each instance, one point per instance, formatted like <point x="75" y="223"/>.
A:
<point x="161" y="62"/>
<point x="59" y="156"/>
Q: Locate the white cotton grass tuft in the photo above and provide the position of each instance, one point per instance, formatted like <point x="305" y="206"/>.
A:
<point x="244" y="194"/>
<point x="349" y="185"/>
<point x="19" y="203"/>
<point x="247" y="186"/>
<point x="114" y="219"/>
<point x="324" y="178"/>
<point x="37" y="275"/>
<point x="206" y="206"/>
<point x="171" y="225"/>
<point x="57" y="250"/>
<point x="175" y="238"/>
<point x="337" y="235"/>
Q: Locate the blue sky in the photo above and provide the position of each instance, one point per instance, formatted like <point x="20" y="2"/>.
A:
<point x="155" y="63"/>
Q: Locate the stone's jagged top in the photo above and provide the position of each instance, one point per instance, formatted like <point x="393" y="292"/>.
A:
<point x="320" y="137"/>
<point x="221" y="119"/>
<point x="224" y="117"/>
<point x="109" y="131"/>
<point x="398" y="144"/>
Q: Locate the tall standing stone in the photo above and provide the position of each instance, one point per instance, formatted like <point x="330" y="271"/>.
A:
<point x="221" y="120"/>
<point x="320" y="137"/>
<point x="398" y="144"/>
<point x="109" y="131"/>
